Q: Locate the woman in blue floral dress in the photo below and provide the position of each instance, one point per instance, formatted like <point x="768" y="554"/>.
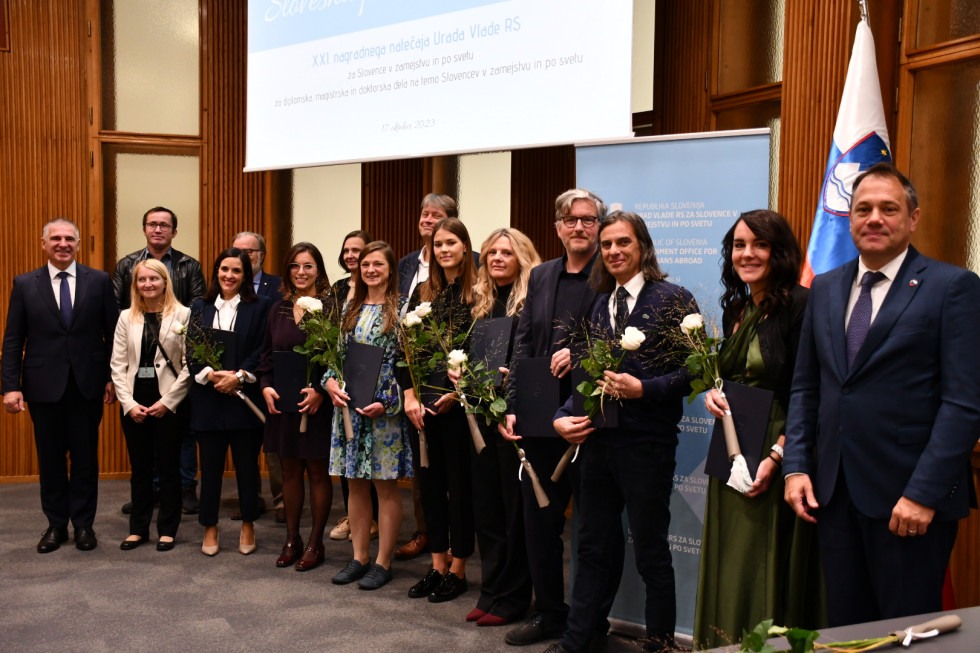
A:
<point x="380" y="452"/>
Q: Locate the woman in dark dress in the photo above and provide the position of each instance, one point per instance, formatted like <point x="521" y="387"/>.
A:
<point x="219" y="417"/>
<point x="506" y="260"/>
<point x="350" y="252"/>
<point x="303" y="275"/>
<point x="445" y="485"/>
<point x="758" y="561"/>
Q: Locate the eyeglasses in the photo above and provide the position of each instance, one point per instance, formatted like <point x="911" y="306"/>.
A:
<point x="307" y="267"/>
<point x="162" y="226"/>
<point x="587" y="221"/>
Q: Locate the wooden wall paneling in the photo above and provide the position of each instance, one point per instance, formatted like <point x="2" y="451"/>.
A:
<point x="686" y="41"/>
<point x="43" y="164"/>
<point x="537" y="176"/>
<point x="391" y="194"/>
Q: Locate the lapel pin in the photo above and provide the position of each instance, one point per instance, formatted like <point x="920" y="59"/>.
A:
<point x="913" y="283"/>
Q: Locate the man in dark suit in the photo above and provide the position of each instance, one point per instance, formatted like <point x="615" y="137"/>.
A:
<point x="558" y="298"/>
<point x="630" y="465"/>
<point x="265" y="284"/>
<point x="884" y="411"/>
<point x="56" y="349"/>
<point x="413" y="269"/>
<point x="269" y="286"/>
<point x="160" y="228"/>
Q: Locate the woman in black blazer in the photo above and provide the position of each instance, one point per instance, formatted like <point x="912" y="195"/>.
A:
<point x="219" y="417"/>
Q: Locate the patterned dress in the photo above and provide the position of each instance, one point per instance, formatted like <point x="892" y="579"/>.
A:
<point x="380" y="448"/>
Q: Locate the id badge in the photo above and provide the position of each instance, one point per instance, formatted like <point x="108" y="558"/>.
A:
<point x="146" y="373"/>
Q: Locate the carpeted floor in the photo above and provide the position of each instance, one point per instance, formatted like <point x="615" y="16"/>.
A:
<point x="145" y="600"/>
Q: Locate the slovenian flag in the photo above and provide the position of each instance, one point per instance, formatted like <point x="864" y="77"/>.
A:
<point x="860" y="141"/>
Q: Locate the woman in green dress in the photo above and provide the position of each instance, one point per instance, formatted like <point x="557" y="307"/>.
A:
<point x="758" y="561"/>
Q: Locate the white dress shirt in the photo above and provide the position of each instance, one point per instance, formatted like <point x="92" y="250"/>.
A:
<point x="72" y="271"/>
<point x="633" y="287"/>
<point x="879" y="290"/>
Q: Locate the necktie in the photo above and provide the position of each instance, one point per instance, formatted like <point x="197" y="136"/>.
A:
<point x="622" y="311"/>
<point x="857" y="328"/>
<point x="65" y="298"/>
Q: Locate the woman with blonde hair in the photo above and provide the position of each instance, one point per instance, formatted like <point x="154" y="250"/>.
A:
<point x="506" y="260"/>
<point x="151" y="381"/>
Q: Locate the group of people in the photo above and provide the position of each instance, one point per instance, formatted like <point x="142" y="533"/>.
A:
<point x="851" y="515"/>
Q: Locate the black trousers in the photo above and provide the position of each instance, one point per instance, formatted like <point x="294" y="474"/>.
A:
<point x="498" y="511"/>
<point x="245" y="445"/>
<point x="543" y="527"/>
<point x="638" y="477"/>
<point x="68" y="428"/>
<point x="154" y="446"/>
<point x="447" y="496"/>
<point x="871" y="574"/>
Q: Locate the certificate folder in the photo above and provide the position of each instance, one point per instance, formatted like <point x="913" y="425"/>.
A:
<point x="750" y="412"/>
<point x="489" y="342"/>
<point x="362" y="368"/>
<point x="289" y="379"/>
<point x="536" y="397"/>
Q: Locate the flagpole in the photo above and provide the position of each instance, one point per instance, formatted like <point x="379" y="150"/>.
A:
<point x="863" y="8"/>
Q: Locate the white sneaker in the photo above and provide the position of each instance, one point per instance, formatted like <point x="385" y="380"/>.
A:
<point x="342" y="530"/>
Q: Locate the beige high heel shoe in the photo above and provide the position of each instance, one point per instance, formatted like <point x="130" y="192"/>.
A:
<point x="246" y="541"/>
<point x="210" y="549"/>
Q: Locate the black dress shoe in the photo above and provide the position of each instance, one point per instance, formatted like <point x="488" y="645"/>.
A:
<point x="85" y="539"/>
<point x="450" y="587"/>
<point x="426" y="586"/>
<point x="189" y="504"/>
<point x="163" y="545"/>
<point x="536" y="629"/>
<point x="125" y="545"/>
<point x="52" y="539"/>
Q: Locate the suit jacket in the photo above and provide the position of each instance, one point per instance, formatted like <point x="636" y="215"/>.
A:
<point x="212" y="410"/>
<point x="269" y="286"/>
<point x="534" y="329"/>
<point x="125" y="361"/>
<point x="903" y="419"/>
<point x="40" y="350"/>
<point x="658" y="311"/>
<point x="408" y="265"/>
<point x="187" y="277"/>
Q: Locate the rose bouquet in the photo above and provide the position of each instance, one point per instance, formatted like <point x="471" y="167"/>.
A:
<point x="202" y="349"/>
<point x="600" y="356"/>
<point x="702" y="362"/>
<point x="322" y="347"/>
<point x="415" y="341"/>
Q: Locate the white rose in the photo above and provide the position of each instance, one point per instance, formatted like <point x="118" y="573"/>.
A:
<point x="692" y="322"/>
<point x="411" y="319"/>
<point x="632" y="339"/>
<point x="423" y="309"/>
<point x="178" y="329"/>
<point x="310" y="304"/>
<point x="456" y="359"/>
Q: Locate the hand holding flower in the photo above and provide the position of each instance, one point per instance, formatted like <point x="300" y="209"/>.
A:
<point x="337" y="396"/>
<point x="574" y="429"/>
<point x="623" y="386"/>
<point x="715" y="403"/>
<point x="506" y="429"/>
<point x="413" y="409"/>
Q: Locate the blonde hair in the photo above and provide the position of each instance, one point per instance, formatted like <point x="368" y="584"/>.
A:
<point x="485" y="289"/>
<point x="138" y="304"/>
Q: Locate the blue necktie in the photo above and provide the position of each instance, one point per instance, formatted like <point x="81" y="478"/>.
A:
<point x="622" y="311"/>
<point x="65" y="298"/>
<point x="857" y="328"/>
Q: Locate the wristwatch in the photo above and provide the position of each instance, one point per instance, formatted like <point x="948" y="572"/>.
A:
<point x="776" y="449"/>
<point x="241" y="379"/>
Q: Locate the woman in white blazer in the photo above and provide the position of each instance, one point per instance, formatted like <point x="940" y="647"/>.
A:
<point x="151" y="380"/>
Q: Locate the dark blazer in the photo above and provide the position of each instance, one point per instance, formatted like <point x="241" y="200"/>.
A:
<point x="903" y="419"/>
<point x="212" y="410"/>
<point x="658" y="311"/>
<point x="187" y="277"/>
<point x="40" y="350"/>
<point x="269" y="286"/>
<point x="408" y="265"/>
<point x="534" y="329"/>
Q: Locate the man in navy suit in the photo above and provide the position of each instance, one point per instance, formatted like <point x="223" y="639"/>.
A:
<point x="558" y="298"/>
<point x="630" y="465"/>
<point x="270" y="286"/>
<point x="265" y="284"/>
<point x="56" y="349"/>
<point x="884" y="411"/>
